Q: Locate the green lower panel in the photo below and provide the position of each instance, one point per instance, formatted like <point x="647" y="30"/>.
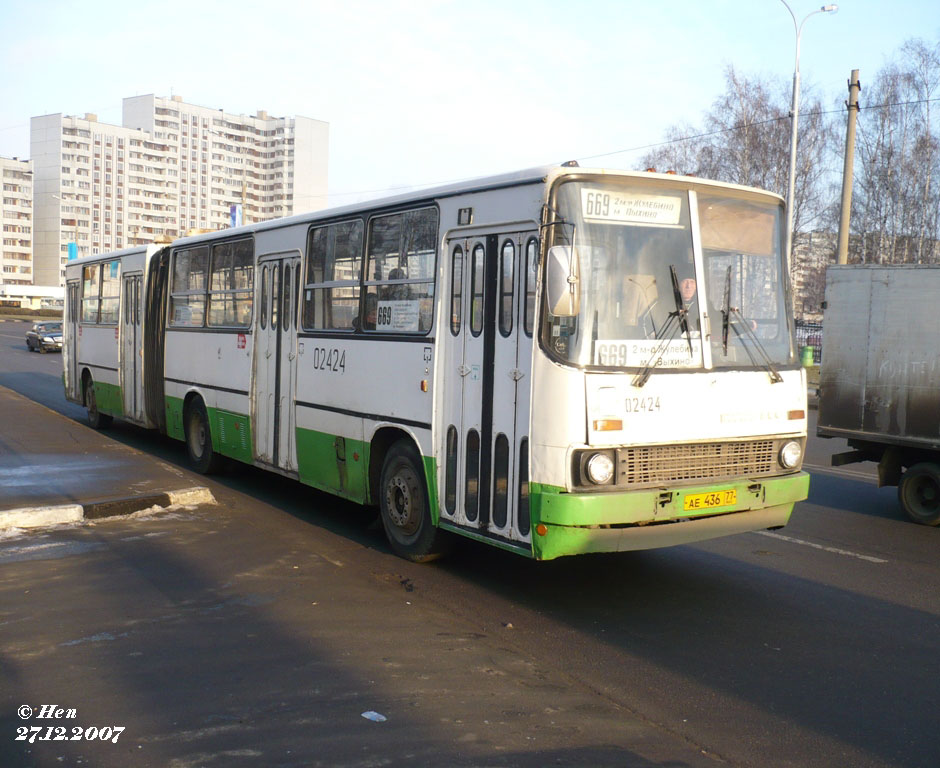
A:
<point x="174" y="417"/>
<point x="611" y="522"/>
<point x="231" y="434"/>
<point x="109" y="399"/>
<point x="335" y="464"/>
<point x="430" y="474"/>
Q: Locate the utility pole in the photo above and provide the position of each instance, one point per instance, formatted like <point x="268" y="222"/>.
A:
<point x="842" y="253"/>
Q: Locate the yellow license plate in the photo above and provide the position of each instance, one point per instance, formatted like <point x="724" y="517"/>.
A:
<point x="710" y="500"/>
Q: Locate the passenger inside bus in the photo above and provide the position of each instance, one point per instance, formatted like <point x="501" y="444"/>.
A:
<point x="396" y="292"/>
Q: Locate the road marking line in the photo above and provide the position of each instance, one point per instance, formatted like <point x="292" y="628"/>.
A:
<point x="833" y="550"/>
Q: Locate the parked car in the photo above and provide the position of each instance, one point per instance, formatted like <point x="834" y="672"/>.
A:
<point x="44" y="336"/>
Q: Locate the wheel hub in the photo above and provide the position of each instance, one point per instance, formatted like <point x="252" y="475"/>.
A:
<point x="400" y="506"/>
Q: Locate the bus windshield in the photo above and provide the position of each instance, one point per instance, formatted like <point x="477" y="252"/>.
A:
<point x="646" y="295"/>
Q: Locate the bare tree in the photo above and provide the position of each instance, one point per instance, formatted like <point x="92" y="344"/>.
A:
<point x="895" y="211"/>
<point x="745" y="139"/>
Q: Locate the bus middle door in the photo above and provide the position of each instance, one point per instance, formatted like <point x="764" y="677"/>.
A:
<point x="275" y="361"/>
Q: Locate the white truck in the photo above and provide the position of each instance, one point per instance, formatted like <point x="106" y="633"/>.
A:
<point x="879" y="382"/>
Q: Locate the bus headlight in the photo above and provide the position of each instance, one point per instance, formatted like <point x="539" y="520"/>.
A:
<point x="600" y="468"/>
<point x="790" y="454"/>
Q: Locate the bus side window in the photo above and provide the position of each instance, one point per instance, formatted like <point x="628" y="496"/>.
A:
<point x="275" y="293"/>
<point x="456" y="291"/>
<point x="288" y="284"/>
<point x="264" y="297"/>
<point x="90" y="293"/>
<point x="231" y="284"/>
<point x="507" y="257"/>
<point x="332" y="282"/>
<point x="401" y="266"/>
<point x="188" y="287"/>
<point x="531" y="273"/>
<point x="476" y="289"/>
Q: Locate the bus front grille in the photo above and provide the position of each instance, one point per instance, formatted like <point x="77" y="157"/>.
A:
<point x="655" y="464"/>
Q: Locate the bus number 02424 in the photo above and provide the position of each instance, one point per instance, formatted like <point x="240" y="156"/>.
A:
<point x="332" y="360"/>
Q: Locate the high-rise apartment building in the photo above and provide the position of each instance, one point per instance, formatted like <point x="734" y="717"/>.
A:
<point x="169" y="169"/>
<point x="16" y="222"/>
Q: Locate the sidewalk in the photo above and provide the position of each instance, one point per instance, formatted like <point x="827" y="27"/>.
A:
<point x="53" y="470"/>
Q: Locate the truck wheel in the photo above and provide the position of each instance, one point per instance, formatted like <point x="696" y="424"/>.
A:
<point x="403" y="503"/>
<point x="919" y="493"/>
<point x="199" y="439"/>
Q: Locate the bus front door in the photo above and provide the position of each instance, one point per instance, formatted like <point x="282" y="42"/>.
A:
<point x="485" y="477"/>
<point x="275" y="332"/>
<point x="132" y="383"/>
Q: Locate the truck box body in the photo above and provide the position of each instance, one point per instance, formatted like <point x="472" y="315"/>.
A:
<point x="880" y="374"/>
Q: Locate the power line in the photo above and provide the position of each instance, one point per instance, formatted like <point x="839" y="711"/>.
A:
<point x="645" y="146"/>
<point x="748" y="125"/>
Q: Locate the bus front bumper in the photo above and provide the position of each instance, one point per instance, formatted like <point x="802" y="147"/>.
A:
<point x="572" y="523"/>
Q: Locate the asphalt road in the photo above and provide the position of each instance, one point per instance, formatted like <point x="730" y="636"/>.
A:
<point x="816" y="645"/>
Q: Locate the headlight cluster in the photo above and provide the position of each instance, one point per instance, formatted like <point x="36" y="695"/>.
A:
<point x="790" y="454"/>
<point x="600" y="468"/>
<point x="608" y="468"/>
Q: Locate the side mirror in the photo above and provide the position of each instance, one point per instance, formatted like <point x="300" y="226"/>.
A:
<point x="563" y="281"/>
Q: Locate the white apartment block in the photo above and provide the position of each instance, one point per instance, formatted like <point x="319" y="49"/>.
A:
<point x="16" y="222"/>
<point x="171" y="168"/>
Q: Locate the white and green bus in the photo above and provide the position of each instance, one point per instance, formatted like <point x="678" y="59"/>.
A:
<point x="554" y="362"/>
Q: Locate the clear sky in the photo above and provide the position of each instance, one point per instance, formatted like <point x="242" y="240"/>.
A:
<point x="418" y="92"/>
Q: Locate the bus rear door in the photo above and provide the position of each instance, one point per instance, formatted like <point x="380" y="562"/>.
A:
<point x="73" y="311"/>
<point x="132" y="348"/>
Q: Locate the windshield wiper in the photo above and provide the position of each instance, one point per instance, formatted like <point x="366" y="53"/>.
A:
<point x="675" y="322"/>
<point x="727" y="312"/>
<point x="681" y="312"/>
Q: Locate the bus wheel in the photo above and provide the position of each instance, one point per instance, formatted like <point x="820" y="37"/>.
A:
<point x="199" y="439"/>
<point x="919" y="493"/>
<point x="96" y="419"/>
<point x="403" y="501"/>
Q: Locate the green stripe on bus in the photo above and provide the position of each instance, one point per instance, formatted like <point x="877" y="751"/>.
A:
<point x="553" y="505"/>
<point x="573" y="519"/>
<point x="173" y="407"/>
<point x="109" y="399"/>
<point x="231" y="434"/>
<point x="332" y="463"/>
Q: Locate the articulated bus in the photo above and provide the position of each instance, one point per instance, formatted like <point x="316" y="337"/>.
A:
<point x="554" y="362"/>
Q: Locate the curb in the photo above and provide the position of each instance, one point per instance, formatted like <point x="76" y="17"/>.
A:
<point x="41" y="517"/>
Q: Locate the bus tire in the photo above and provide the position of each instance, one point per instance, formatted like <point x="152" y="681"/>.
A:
<point x="919" y="493"/>
<point x="199" y="439"/>
<point x="96" y="419"/>
<point x="404" y="508"/>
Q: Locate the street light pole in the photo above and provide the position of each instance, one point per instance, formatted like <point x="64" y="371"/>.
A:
<point x="795" y="116"/>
